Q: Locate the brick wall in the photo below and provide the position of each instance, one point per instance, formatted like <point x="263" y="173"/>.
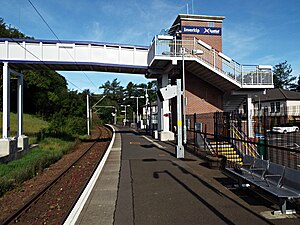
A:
<point x="201" y="96"/>
<point x="214" y="40"/>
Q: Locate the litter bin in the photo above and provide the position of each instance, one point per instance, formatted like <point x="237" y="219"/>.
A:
<point x="262" y="149"/>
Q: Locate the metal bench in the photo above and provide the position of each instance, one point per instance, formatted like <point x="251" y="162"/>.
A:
<point x="281" y="182"/>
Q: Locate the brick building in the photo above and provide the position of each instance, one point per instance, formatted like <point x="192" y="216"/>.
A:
<point x="191" y="51"/>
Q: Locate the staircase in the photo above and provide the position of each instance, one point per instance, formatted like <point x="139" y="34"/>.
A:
<point x="226" y="149"/>
<point x="233" y="102"/>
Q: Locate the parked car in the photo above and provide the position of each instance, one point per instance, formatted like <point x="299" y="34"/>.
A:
<point x="285" y="129"/>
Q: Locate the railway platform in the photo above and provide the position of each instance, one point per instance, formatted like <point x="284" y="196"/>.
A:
<point x="142" y="182"/>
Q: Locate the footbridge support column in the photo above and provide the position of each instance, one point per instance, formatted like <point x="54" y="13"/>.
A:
<point x="22" y="139"/>
<point x="164" y="113"/>
<point x="7" y="144"/>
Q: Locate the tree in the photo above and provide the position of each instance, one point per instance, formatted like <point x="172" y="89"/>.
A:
<point x="7" y="31"/>
<point x="296" y="86"/>
<point x="113" y="90"/>
<point x="282" y="75"/>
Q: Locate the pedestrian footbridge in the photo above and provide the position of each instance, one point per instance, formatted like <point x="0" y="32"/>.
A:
<point x="73" y="55"/>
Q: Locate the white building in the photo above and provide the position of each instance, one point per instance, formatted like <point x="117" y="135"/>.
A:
<point x="279" y="105"/>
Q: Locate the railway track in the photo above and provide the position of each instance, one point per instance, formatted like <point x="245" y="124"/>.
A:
<point x="52" y="204"/>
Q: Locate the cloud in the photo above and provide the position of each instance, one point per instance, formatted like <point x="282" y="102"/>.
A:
<point x="269" y="59"/>
<point x="242" y="40"/>
<point x="96" y="32"/>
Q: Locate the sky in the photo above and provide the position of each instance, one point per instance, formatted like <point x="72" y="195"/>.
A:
<point x="264" y="32"/>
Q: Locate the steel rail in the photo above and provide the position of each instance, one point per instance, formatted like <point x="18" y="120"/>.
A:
<point x="36" y="197"/>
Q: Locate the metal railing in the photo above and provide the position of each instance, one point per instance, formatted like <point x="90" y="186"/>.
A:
<point x="245" y="75"/>
<point x="244" y="144"/>
<point x="282" y="149"/>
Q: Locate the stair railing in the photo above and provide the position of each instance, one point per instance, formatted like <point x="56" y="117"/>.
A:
<point x="246" y="147"/>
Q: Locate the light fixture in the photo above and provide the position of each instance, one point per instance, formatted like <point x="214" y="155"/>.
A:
<point x="197" y="52"/>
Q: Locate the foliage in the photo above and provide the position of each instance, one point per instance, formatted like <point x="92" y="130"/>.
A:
<point x="118" y="96"/>
<point x="7" y="31"/>
<point x="43" y="92"/>
<point x="16" y="172"/>
<point x="282" y="75"/>
<point x="296" y="87"/>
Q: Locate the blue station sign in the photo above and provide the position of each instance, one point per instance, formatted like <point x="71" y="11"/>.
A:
<point x="202" y="30"/>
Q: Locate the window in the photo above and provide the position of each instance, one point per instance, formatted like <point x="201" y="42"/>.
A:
<point x="211" y="24"/>
<point x="277" y="107"/>
<point x="272" y="107"/>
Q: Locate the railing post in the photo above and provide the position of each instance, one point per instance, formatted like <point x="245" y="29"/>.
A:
<point x="155" y="43"/>
<point x="234" y="70"/>
<point x="265" y="135"/>
<point x="194" y="44"/>
<point x="271" y="77"/>
<point x="216" y="133"/>
<point x="195" y="134"/>
<point x="242" y="75"/>
<point x="205" y="136"/>
<point x="214" y="58"/>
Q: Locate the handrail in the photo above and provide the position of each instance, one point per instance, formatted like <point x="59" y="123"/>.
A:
<point x="243" y="74"/>
<point x="206" y="143"/>
<point x="248" y="145"/>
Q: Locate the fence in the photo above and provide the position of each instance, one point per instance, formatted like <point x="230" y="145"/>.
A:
<point x="209" y="133"/>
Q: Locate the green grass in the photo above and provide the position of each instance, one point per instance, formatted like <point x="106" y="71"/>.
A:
<point x="16" y="172"/>
<point x="32" y="125"/>
<point x="49" y="151"/>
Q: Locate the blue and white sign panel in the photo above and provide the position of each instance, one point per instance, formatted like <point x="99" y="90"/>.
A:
<point x="202" y="30"/>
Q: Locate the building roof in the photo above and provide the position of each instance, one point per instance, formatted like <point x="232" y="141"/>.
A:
<point x="277" y="94"/>
<point x="193" y="17"/>
<point x="198" y="18"/>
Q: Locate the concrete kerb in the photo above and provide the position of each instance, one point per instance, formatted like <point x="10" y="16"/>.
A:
<point x="73" y="216"/>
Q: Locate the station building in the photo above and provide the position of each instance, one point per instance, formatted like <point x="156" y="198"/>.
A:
<point x="191" y="50"/>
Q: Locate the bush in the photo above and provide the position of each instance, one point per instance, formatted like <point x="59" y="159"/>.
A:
<point x="16" y="172"/>
<point x="71" y="125"/>
<point x="75" y="126"/>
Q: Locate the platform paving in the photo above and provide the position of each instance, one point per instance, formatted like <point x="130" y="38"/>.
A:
<point x="144" y="183"/>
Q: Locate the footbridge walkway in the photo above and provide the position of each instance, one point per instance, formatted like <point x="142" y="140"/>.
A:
<point x="73" y="55"/>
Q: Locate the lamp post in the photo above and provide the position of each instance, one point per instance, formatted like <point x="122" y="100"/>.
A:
<point x="147" y="105"/>
<point x="88" y="114"/>
<point x="194" y="52"/>
<point x="137" y="107"/>
<point x="125" y="113"/>
<point x="183" y="93"/>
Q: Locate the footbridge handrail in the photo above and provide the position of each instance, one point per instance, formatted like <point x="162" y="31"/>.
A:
<point x="245" y="75"/>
